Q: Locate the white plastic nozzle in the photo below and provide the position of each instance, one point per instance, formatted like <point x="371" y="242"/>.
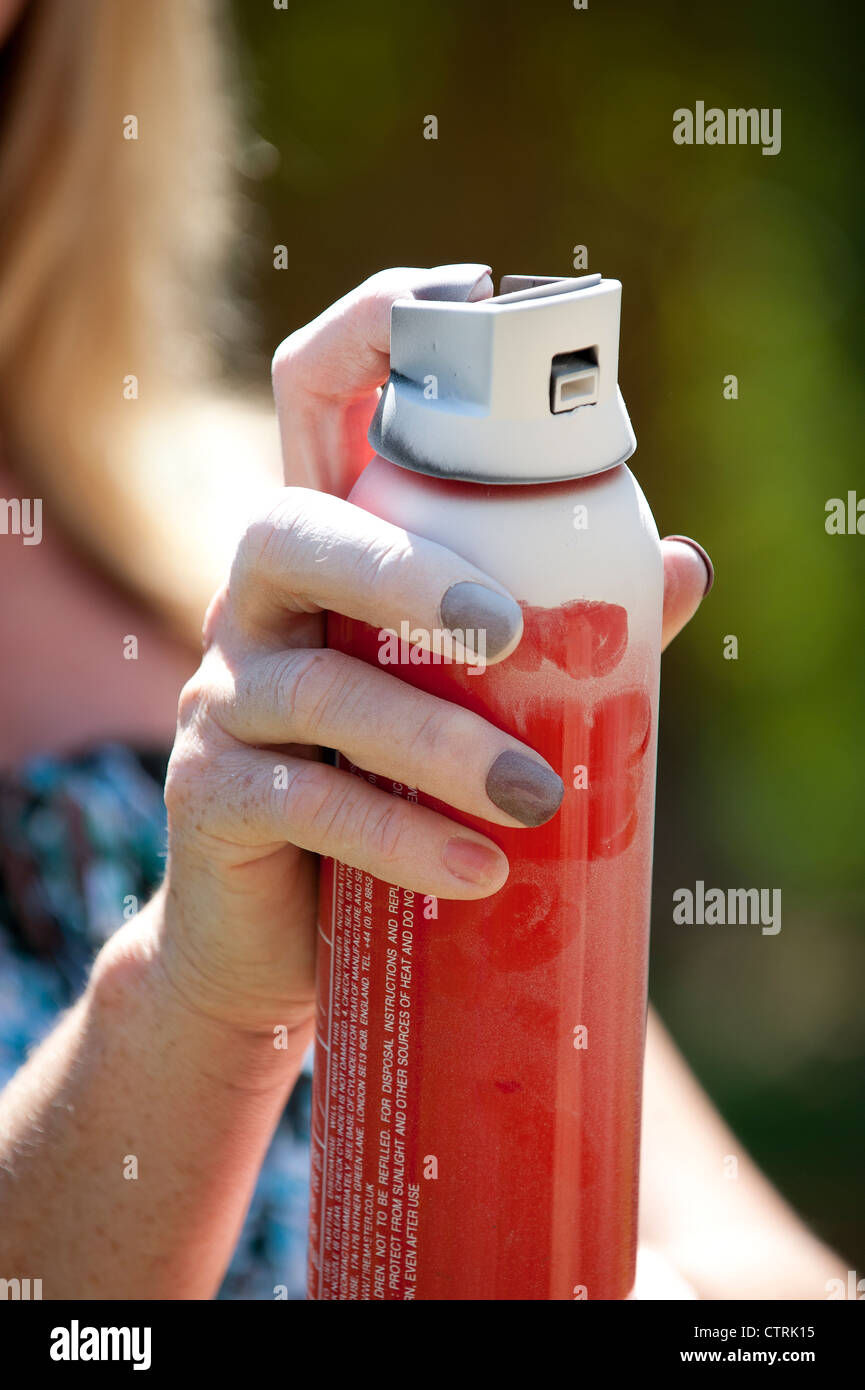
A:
<point x="519" y="388"/>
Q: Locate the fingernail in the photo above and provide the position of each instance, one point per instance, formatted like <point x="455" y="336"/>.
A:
<point x="524" y="788"/>
<point x="471" y="608"/>
<point x="472" y="861"/>
<point x="710" y="568"/>
<point x="465" y="283"/>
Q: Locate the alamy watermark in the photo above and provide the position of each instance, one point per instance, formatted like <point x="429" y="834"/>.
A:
<point x="714" y="907"/>
<point x="20" y="1290"/>
<point x="853" y="1288"/>
<point x="420" y="646"/>
<point x="736" y="126"/>
<point x="845" y="517"/>
<point x="22" y="516"/>
<point x="77" y="1343"/>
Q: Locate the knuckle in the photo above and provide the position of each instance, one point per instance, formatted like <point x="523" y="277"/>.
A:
<point x="272" y="537"/>
<point x="433" y="736"/>
<point x="381" y="830"/>
<point x="342" y="819"/>
<point x="199" y="744"/>
<point x="281" y="362"/>
<point x="379" y="562"/>
<point x="210" y="794"/>
<point x="278" y="361"/>
<point x="245" y="561"/>
<point x="306" y="797"/>
<point x="204" y="692"/>
<point x="383" y="286"/>
<point x="307" y="685"/>
<point x="255" y="544"/>
<point x="216" y="616"/>
<point x="250" y="567"/>
<point x="273" y="688"/>
<point x="446" y="734"/>
<point x="192" y="700"/>
<point x="182" y="782"/>
<point x="293" y="366"/>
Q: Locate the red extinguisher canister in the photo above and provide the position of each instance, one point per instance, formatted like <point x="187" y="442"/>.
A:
<point x="478" y="1068"/>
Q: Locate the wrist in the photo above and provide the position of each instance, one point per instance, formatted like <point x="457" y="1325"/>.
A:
<point x="236" y="951"/>
<point x="136" y="974"/>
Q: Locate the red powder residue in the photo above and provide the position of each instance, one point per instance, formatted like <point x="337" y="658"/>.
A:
<point x="535" y="1135"/>
<point x="581" y="638"/>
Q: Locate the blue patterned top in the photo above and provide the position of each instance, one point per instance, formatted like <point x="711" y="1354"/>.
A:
<point x="82" y="846"/>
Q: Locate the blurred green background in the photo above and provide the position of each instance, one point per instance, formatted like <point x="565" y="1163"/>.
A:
<point x="555" y="130"/>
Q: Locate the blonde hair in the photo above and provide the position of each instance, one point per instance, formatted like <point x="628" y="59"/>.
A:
<point x="112" y="253"/>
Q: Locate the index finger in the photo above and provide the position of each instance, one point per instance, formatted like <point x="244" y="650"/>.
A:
<point x="326" y="374"/>
<point x="315" y="553"/>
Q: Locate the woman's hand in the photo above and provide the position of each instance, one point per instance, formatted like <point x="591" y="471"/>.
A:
<point x="250" y="801"/>
<point x="169" y="1053"/>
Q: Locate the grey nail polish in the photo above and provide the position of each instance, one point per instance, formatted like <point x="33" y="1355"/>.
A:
<point x="524" y="788"/>
<point x="468" y="607"/>
<point x="463" y="284"/>
<point x="695" y="545"/>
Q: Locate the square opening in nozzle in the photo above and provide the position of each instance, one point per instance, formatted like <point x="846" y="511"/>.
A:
<point x="574" y="380"/>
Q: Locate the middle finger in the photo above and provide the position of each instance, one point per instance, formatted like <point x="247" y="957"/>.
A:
<point x="379" y="722"/>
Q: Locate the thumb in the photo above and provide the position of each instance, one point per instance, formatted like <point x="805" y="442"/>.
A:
<point x="688" y="577"/>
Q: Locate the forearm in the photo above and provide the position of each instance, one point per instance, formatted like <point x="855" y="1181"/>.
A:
<point x="131" y="1141"/>
<point x="706" y="1206"/>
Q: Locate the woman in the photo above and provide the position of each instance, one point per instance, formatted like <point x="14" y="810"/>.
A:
<point x="157" y="1108"/>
